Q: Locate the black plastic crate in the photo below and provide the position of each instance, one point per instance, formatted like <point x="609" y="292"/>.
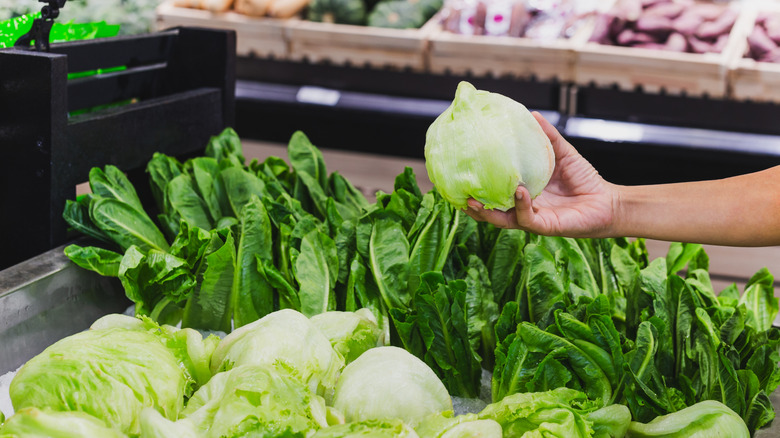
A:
<point x="107" y="101"/>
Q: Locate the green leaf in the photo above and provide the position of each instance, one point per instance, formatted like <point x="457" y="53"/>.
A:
<point x="516" y="367"/>
<point x="76" y="214"/>
<point x="680" y="254"/>
<point x="95" y="259"/>
<point x="191" y="243"/>
<point x="365" y="293"/>
<point x="505" y="263"/>
<point x="288" y="295"/>
<point x="209" y="306"/>
<point x="186" y="202"/>
<point x="226" y="146"/>
<point x="346" y="246"/>
<point x="441" y="319"/>
<point x="544" y="285"/>
<point x="305" y="158"/>
<point x="205" y="172"/>
<point x="316" y="269"/>
<point x="761" y="303"/>
<point x="112" y="183"/>
<point x="389" y="261"/>
<point x="240" y="185"/>
<point x="162" y="169"/>
<point x="408" y="181"/>
<point x="594" y="381"/>
<point x="252" y="296"/>
<point x="126" y="226"/>
<point x="154" y="280"/>
<point x="481" y="310"/>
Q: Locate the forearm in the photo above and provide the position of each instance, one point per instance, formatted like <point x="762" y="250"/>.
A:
<point x="737" y="211"/>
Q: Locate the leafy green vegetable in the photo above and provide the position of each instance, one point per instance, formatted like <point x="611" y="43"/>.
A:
<point x="44" y="423"/>
<point x="439" y="319"/>
<point x="316" y="269"/>
<point x="285" y="340"/>
<point x="708" y="418"/>
<point x="389" y="382"/>
<point x="445" y="425"/>
<point x="484" y="146"/>
<point x="102" y="261"/>
<point x="111" y="374"/>
<point x="252" y="295"/>
<point x="350" y="333"/>
<point x="389" y="428"/>
<point x="252" y="399"/>
<point x="560" y="412"/>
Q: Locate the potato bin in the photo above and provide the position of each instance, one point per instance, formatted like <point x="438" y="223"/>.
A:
<point x="755" y="67"/>
<point x="679" y="47"/>
<point x="511" y="38"/>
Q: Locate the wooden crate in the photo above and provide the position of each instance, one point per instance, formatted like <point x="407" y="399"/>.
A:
<point x="345" y="44"/>
<point x="675" y="73"/>
<point x="749" y="79"/>
<point x="263" y="37"/>
<point x="503" y="55"/>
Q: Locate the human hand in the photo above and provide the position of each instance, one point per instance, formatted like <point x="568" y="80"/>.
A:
<point x="577" y="202"/>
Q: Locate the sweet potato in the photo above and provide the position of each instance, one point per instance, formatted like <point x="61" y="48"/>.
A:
<point x="772" y="56"/>
<point x="628" y="38"/>
<point x="699" y="46"/>
<point x="601" y="25"/>
<point x="627" y="10"/>
<point x="651" y="3"/>
<point x="723" y="24"/>
<point x="759" y="43"/>
<point x="707" y="11"/>
<point x="772" y="27"/>
<point x="676" y="43"/>
<point x="667" y="10"/>
<point x="654" y="24"/>
<point x="687" y="23"/>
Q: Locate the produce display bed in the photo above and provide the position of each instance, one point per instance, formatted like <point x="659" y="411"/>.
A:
<point x="50" y="285"/>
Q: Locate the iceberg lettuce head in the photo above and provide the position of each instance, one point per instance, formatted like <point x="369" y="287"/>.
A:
<point x="484" y="146"/>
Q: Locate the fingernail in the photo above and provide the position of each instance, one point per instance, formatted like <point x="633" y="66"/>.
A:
<point x="518" y="194"/>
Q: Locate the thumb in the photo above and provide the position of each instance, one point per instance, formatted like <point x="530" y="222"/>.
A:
<point x="523" y="208"/>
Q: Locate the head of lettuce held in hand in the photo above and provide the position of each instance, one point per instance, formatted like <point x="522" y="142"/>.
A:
<point x="484" y="146"/>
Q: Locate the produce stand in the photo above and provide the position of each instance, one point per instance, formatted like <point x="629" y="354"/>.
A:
<point x="501" y="55"/>
<point x="655" y="70"/>
<point x="164" y="92"/>
<point x="257" y="36"/>
<point x="750" y="79"/>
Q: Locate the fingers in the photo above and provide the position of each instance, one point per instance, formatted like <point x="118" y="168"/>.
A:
<point x="524" y="212"/>
<point x="501" y="219"/>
